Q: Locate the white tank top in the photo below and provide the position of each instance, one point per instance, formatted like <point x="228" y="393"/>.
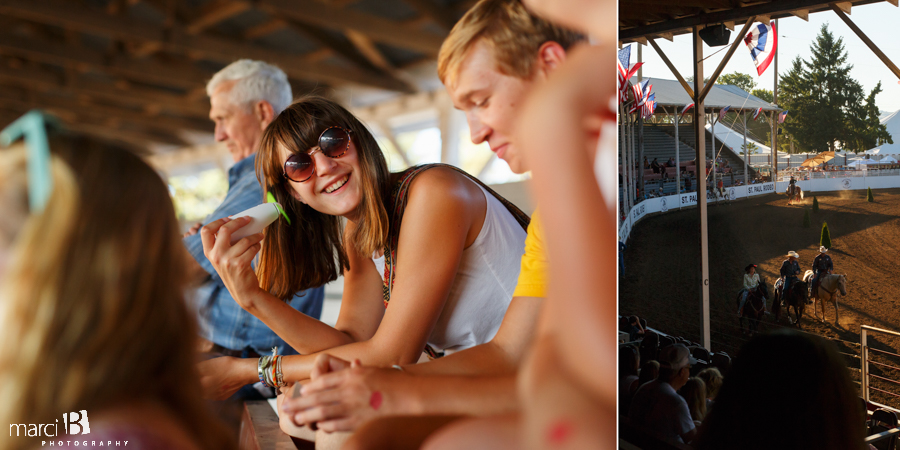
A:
<point x="484" y="283"/>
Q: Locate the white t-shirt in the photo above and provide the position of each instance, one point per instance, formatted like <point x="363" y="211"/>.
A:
<point x="484" y="283"/>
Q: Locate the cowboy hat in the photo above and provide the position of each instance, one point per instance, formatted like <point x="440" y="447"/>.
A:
<point x="793" y="253"/>
<point x="822" y="249"/>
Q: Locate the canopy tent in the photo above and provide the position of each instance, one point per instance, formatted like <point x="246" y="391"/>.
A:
<point x="860" y="162"/>
<point x="888" y="160"/>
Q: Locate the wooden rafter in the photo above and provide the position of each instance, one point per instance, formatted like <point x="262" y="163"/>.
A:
<point x="221" y="49"/>
<point x="443" y="17"/>
<point x="215" y="12"/>
<point x="265" y="29"/>
<point x="369" y="50"/>
<point x="376" y="28"/>
<point x="90" y="112"/>
<point x="39" y="49"/>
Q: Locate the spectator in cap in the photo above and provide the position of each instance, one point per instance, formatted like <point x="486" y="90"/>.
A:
<point x="657" y="407"/>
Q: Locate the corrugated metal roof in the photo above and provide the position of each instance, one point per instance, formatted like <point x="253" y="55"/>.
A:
<point x="670" y="93"/>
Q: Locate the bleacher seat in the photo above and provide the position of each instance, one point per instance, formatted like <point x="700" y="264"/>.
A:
<point x="883" y="420"/>
<point x="721" y="361"/>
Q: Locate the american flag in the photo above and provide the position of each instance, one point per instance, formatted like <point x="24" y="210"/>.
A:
<point x="649" y="106"/>
<point x="723" y="111"/>
<point x="641" y="91"/>
<point x="756" y="113"/>
<point x="686" y="108"/>
<point x="782" y="116"/>
<point x="625" y="71"/>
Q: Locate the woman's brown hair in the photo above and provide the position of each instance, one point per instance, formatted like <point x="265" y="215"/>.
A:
<point x="93" y="311"/>
<point x="311" y="251"/>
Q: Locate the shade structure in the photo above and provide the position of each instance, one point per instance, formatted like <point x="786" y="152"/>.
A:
<point x="818" y="159"/>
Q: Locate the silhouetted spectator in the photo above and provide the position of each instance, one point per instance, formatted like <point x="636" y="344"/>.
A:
<point x="694" y="393"/>
<point x="786" y="390"/>
<point x="656" y="407"/>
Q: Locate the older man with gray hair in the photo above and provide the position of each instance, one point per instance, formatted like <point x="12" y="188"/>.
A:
<point x="244" y="98"/>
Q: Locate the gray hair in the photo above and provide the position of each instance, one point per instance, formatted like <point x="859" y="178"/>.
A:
<point x="256" y="80"/>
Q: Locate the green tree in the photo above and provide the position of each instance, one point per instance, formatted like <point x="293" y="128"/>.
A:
<point x="869" y="196"/>
<point x="864" y="128"/>
<point x="825" y="240"/>
<point x="764" y="94"/>
<point x="815" y="204"/>
<point x="741" y="80"/>
<point x="828" y="108"/>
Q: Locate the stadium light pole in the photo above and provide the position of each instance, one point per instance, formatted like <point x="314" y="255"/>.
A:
<point x="700" y="134"/>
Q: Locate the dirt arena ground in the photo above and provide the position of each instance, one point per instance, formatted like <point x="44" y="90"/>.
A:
<point x="662" y="267"/>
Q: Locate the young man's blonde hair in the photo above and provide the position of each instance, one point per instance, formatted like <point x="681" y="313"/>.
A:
<point x="513" y="34"/>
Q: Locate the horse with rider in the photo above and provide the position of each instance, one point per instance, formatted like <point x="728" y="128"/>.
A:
<point x="824" y="283"/>
<point x="789" y="289"/>
<point x="794" y="191"/>
<point x="757" y="292"/>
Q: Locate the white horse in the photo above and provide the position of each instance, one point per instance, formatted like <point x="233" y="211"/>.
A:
<point x="829" y="286"/>
<point x="792" y="196"/>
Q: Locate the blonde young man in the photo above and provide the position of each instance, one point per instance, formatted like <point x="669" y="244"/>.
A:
<point x="489" y="62"/>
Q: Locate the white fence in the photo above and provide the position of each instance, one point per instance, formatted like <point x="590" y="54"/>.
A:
<point x="670" y="202"/>
<point x="818" y="182"/>
<point x="889" y="387"/>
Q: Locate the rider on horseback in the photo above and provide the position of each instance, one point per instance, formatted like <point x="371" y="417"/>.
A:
<point x="821" y="266"/>
<point x="790" y="269"/>
<point x="751" y="282"/>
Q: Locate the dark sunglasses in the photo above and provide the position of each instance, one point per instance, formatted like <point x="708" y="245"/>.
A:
<point x="333" y="143"/>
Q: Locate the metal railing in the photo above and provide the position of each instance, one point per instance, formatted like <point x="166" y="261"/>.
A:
<point x="866" y="376"/>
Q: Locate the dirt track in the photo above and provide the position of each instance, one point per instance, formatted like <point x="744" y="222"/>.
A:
<point x="662" y="276"/>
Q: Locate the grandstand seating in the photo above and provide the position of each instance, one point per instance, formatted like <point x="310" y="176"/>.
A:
<point x="659" y="143"/>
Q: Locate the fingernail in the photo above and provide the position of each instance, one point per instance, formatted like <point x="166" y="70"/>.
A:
<point x="297" y="391"/>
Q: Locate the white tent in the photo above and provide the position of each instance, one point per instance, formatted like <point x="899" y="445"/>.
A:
<point x="859" y="162"/>
<point x="888" y="160"/>
<point x="892" y="123"/>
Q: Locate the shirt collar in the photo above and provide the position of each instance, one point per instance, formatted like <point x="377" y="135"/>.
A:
<point x="240" y="168"/>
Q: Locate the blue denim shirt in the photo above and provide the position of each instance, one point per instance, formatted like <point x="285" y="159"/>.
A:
<point x="222" y="320"/>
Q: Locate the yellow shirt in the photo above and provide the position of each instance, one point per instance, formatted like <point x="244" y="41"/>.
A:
<point x="533" y="274"/>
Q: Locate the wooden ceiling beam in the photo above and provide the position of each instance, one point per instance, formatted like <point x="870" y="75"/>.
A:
<point x="369" y="50"/>
<point x="779" y="8"/>
<point x="323" y="39"/>
<point x="264" y="29"/>
<point x="441" y="16"/>
<point x="98" y="113"/>
<point x="376" y="28"/>
<point x="38" y="49"/>
<point x="214" y="12"/>
<point x="223" y="50"/>
<point x="42" y="79"/>
<point x="99" y="125"/>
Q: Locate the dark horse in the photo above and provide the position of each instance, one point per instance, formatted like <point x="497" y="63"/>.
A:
<point x="796" y="297"/>
<point x="755" y="306"/>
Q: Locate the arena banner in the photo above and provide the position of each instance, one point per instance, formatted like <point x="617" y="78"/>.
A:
<point x="847" y="183"/>
<point x="758" y="189"/>
<point x="689" y="199"/>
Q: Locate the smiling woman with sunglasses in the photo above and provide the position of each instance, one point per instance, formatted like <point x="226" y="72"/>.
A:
<point x="448" y="273"/>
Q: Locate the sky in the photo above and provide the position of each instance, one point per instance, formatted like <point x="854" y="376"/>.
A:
<point x="878" y="21"/>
